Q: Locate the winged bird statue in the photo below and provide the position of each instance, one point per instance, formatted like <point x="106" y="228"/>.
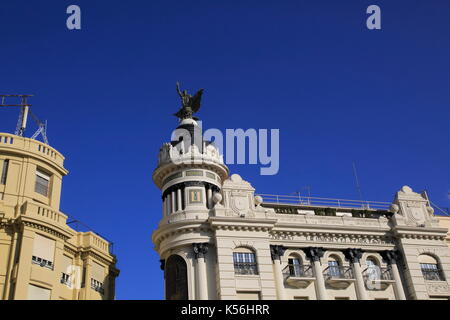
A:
<point x="189" y="104"/>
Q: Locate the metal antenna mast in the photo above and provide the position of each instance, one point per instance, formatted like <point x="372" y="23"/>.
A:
<point x="23" y="115"/>
<point x="358" y="187"/>
<point x="24" y="108"/>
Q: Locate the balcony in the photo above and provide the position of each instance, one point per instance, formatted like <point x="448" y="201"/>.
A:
<point x="338" y="277"/>
<point x="377" y="278"/>
<point x="299" y="276"/>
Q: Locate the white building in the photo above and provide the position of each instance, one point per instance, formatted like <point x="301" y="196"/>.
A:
<point x="218" y="240"/>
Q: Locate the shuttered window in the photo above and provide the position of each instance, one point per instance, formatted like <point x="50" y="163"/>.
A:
<point x="43" y="251"/>
<point x="42" y="183"/>
<point x="66" y="271"/>
<point x="38" y="293"/>
<point x="98" y="272"/>
<point x="97" y="277"/>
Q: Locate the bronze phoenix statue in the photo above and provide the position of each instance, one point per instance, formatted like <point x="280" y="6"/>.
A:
<point x="189" y="104"/>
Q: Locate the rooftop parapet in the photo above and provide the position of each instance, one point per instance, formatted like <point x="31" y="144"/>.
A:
<point x="16" y="144"/>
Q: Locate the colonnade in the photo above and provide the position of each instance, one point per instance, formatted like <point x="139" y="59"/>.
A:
<point x="174" y="198"/>
<point x="315" y="254"/>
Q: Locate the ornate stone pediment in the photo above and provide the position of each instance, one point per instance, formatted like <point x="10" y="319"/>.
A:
<point x="238" y="198"/>
<point x="411" y="208"/>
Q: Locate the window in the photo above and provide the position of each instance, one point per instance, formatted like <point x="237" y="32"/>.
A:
<point x="97" y="286"/>
<point x="175" y="274"/>
<point x="98" y="277"/>
<point x="295" y="267"/>
<point x="42" y="183"/>
<point x="373" y="270"/>
<point x="66" y="271"/>
<point x="43" y="251"/>
<point x="4" y="172"/>
<point x="430" y="268"/>
<point x="244" y="261"/>
<point x="38" y="293"/>
<point x="333" y="267"/>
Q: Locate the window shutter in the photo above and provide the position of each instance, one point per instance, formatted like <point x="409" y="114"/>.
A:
<point x="44" y="248"/>
<point x="38" y="293"/>
<point x="42" y="175"/>
<point x="66" y="265"/>
<point x="98" y="272"/>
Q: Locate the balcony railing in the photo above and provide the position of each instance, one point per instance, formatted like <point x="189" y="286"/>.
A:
<point x="432" y="275"/>
<point x="338" y="272"/>
<point x="42" y="262"/>
<point x="245" y="268"/>
<point x="65" y="279"/>
<point x="97" y="286"/>
<point x="324" y="202"/>
<point x="298" y="271"/>
<point x="378" y="274"/>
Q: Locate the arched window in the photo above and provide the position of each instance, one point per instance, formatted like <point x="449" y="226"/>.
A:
<point x="430" y="268"/>
<point x="244" y="261"/>
<point x="373" y="269"/>
<point x="295" y="266"/>
<point x="334" y="268"/>
<point x="176" y="278"/>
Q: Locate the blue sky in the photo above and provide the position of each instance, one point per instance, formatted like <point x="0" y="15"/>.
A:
<point x="337" y="91"/>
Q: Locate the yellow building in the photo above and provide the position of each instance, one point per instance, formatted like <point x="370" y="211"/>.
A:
<point x="41" y="257"/>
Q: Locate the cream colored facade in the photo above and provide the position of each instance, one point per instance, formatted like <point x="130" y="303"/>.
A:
<point x="218" y="240"/>
<point x="444" y="221"/>
<point x="41" y="256"/>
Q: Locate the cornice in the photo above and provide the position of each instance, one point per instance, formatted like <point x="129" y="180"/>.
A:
<point x="43" y="226"/>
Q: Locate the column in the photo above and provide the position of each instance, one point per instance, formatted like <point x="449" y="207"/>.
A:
<point x="164" y="207"/>
<point x="172" y="198"/>
<point x="200" y="249"/>
<point x="179" y="199"/>
<point x="314" y="254"/>
<point x="391" y="257"/>
<point x="168" y="203"/>
<point x="354" y="255"/>
<point x="277" y="252"/>
<point x="209" y="197"/>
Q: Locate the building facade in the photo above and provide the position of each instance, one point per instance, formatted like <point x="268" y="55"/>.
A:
<point x="41" y="257"/>
<point x="218" y="240"/>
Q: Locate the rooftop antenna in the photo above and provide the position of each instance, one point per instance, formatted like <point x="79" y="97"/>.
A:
<point x="21" y="100"/>
<point x="42" y="128"/>
<point x="358" y="187"/>
<point x="24" y="108"/>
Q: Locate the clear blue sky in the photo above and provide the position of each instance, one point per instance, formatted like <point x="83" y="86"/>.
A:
<point x="337" y="91"/>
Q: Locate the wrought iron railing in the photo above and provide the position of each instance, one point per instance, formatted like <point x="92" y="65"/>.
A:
<point x="65" y="279"/>
<point x="324" y="202"/>
<point x="299" y="271"/>
<point x="339" y="272"/>
<point x="42" y="262"/>
<point x="432" y="274"/>
<point x="97" y="286"/>
<point x="245" y="268"/>
<point x="377" y="273"/>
